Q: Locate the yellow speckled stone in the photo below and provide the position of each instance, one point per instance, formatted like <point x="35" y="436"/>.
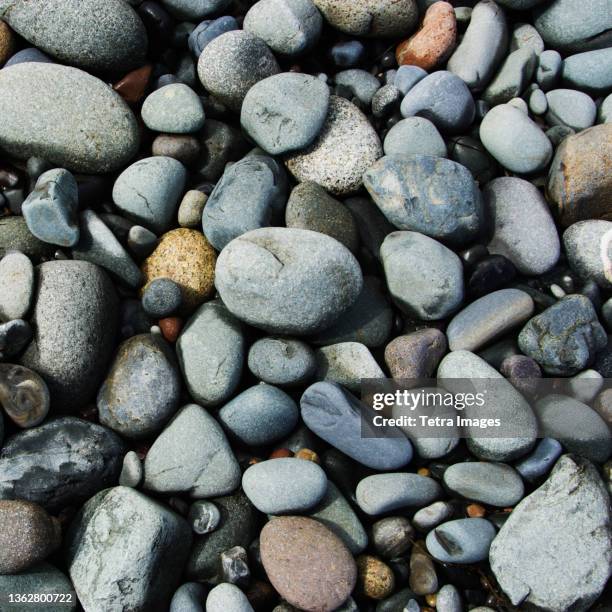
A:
<point x="374" y="578"/>
<point x="186" y="257"/>
<point x="7" y="43"/>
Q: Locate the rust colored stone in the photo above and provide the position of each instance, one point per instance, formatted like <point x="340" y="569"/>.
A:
<point x="281" y="453"/>
<point x="133" y="85"/>
<point x="434" y="42"/>
<point x="475" y="511"/>
<point x="7" y="43"/>
<point x="171" y="328"/>
<point x="308" y="455"/>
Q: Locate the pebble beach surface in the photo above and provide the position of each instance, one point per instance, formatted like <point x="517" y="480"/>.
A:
<point x="218" y="218"/>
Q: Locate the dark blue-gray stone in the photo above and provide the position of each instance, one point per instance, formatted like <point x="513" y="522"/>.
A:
<point x="432" y="195"/>
<point x="208" y="30"/>
<point x="461" y="541"/>
<point x="227" y="596"/>
<point x="14" y="337"/>
<point x="407" y="77"/>
<point x="348" y="53"/>
<point x="549" y="69"/>
<point x="195" y="9"/>
<point x="161" y="297"/>
<point x="31" y="54"/>
<point x="338" y="417"/>
<point x="540" y="461"/>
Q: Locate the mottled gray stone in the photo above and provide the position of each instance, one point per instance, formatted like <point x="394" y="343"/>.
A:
<point x="483" y="46"/>
<point x="261" y="415"/>
<point x="121" y="538"/>
<point x="432" y="515"/>
<point x="131" y="471"/>
<point x="448" y="599"/>
<point x="524" y="35"/>
<point x="149" y="191"/>
<point x="211" y="353"/>
<point x="414" y="136"/>
<point x="431" y="195"/>
<point x="385" y="101"/>
<point x="195" y="9"/>
<point x="104" y="35"/>
<point x="549" y="69"/>
<point x="568" y="519"/>
<point x="174" y="109"/>
<point x="207" y="31"/>
<point x="424" y="278"/>
<point x="16" y="286"/>
<point x="539" y="462"/>
<point x="142" y="389"/>
<point x="257" y="272"/>
<point x="590" y="71"/>
<point x="161" y="297"/>
<point x="588" y="247"/>
<point x="289" y="27"/>
<point x="75" y="320"/>
<point x="204" y="517"/>
<point x="340" y="418"/>
<point x="523" y="229"/>
<point x="232" y="63"/>
<point x="284" y="486"/>
<point x="565" y="337"/>
<point x="461" y="541"/>
<point x="285" y="112"/>
<point x="85" y="126"/>
<point x="15" y="236"/>
<point x="192" y="455"/>
<point x="346" y="364"/>
<point x="360" y="83"/>
<point x="225" y="597"/>
<point x="512" y="78"/>
<point x="73" y="460"/>
<point x="281" y="361"/>
<point x="571" y="108"/>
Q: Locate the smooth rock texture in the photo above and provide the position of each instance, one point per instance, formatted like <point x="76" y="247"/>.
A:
<point x="346" y="364"/>
<point x="175" y="109"/>
<point x="338" y="417"/>
<point x="16" y="286"/>
<point x="461" y="541"/>
<point x="415" y="355"/>
<point x="257" y="273"/>
<point x="192" y="455"/>
<point x="195" y="9"/>
<point x="307" y="564"/>
<point x="360" y="83"/>
<point x="414" y="136"/>
<point x="79" y="110"/>
<point x="75" y="322"/>
<point x="105" y="35"/>
<point x="570" y="108"/>
<point x="281" y="361"/>
<point x="285" y="112"/>
<point x="15" y="236"/>
<point x="588" y="246"/>
<point x="226" y="597"/>
<point x="345" y="148"/>
<point x="123" y="537"/>
<point x="568" y="517"/>
<point x="207" y="31"/>
<point x="589" y="71"/>
<point x="434" y="196"/>
<point x="512" y="78"/>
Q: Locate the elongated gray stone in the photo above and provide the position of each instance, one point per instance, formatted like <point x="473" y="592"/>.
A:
<point x="512" y="78"/>
<point x="16" y="286"/>
<point x="589" y="71"/>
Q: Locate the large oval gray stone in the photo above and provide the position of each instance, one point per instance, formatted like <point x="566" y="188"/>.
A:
<point x="288" y="281"/>
<point x="75" y="321"/>
<point x="85" y="126"/>
<point x="588" y="247"/>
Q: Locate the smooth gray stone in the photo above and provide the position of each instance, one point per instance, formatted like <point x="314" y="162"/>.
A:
<point x="73" y="460"/>
<point x="207" y="31"/>
<point x="281" y="361"/>
<point x="232" y="63"/>
<point x="98" y="35"/>
<point x="50" y="210"/>
<point x="396" y="602"/>
<point x="192" y="455"/>
<point x="141" y="241"/>
<point x="191" y="208"/>
<point x="524" y="35"/>
<point x="432" y="195"/>
<point x="578" y="427"/>
<point x="496" y="484"/>
<point x="261" y="415"/>
<point x="288" y="27"/>
<point x="211" y="350"/>
<point x="550" y="65"/>
<point x="432" y="515"/>
<point x="75" y="319"/>
<point x="520" y="5"/>
<point x="43" y="578"/>
<point x="571" y="25"/>
<point x="225" y="216"/>
<point x="15" y="236"/>
<point x="540" y="461"/>
<point x="174" y="109"/>
<point x="131" y="471"/>
<point x="384" y="493"/>
<point x="347" y="364"/>
<point x="195" y="9"/>
<point x="284" y="486"/>
<point x="78" y="109"/>
<point x="16" y="286"/>
<point x="189" y="597"/>
<point x="161" y="297"/>
<point x="523" y="229"/>
<point x="512" y="78"/>
<point x="589" y="71"/>
<point x="461" y="541"/>
<point x="414" y="136"/>
<point x="567" y="518"/>
<point x="483" y="46"/>
<point x="571" y="108"/>
<point x="227" y="597"/>
<point x="150" y="190"/>
<point x="256" y="273"/>
<point x="407" y="77"/>
<point x="368" y="321"/>
<point x="341" y="419"/>
<point x="488" y="318"/>
<point x="144" y="545"/>
<point x="372" y="224"/>
<point x="448" y="599"/>
<point x="565" y="337"/>
<point x="142" y="389"/>
<point x="29" y="54"/>
<point x="360" y="83"/>
<point x="502" y="401"/>
<point x="588" y="247"/>
<point x="514" y="140"/>
<point x="424" y="278"/>
<point x="14" y="337"/>
<point x="239" y="525"/>
<point x="98" y="245"/>
<point x="385" y="101"/>
<point x="538" y="103"/>
<point x="285" y="112"/>
<point x="335" y="512"/>
<point x="444" y="99"/>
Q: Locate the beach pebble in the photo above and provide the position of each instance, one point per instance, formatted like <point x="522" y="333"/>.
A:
<point x="448" y="599"/>
<point x="406" y="77"/>
<point x="131" y="471"/>
<point x="588" y="247"/>
<point x="189" y="597"/>
<point x="538" y="103"/>
<point x="346" y="364"/>
<point x="281" y="361"/>
<point x="548" y="72"/>
<point x="195" y="9"/>
<point x="432" y="515"/>
<point x="24" y="396"/>
<point x="571" y="108"/>
<point x="360" y="83"/>
<point x="15" y="236"/>
<point x="461" y="541"/>
<point x="589" y="71"/>
<point x="227" y="597"/>
<point x="414" y="136"/>
<point x="15" y="335"/>
<point x="392" y="537"/>
<point x="7" y="43"/>
<point x="423" y="578"/>
<point x="385" y="101"/>
<point x="538" y="463"/>
<point x="512" y="78"/>
<point x="206" y="31"/>
<point x="345" y="148"/>
<point x="412" y="260"/>
<point x="415" y="355"/>
<point x="191" y="208"/>
<point x="175" y="109"/>
<point x="204" y="517"/>
<point x="161" y="298"/>
<point x="524" y="35"/>
<point x="16" y="286"/>
<point x="375" y="578"/>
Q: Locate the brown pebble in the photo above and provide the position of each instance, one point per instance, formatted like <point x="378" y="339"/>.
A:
<point x="171" y="328"/>
<point x="308" y="455"/>
<point x="475" y="511"/>
<point x="186" y="257"/>
<point x="281" y="453"/>
<point x="183" y="147"/>
<point x="23" y="395"/>
<point x="306" y="563"/>
<point x="27" y="535"/>
<point x="375" y="578"/>
<point x="431" y="600"/>
<point x="424" y="471"/>
<point x="133" y="85"/>
<point x="434" y="42"/>
<point x="415" y="355"/>
<point x="261" y="595"/>
<point x="603" y="406"/>
<point x="7" y="43"/>
<point x="423" y="578"/>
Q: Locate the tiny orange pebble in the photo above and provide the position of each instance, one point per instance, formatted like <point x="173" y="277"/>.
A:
<point x="424" y="471"/>
<point x="308" y="455"/>
<point x="430" y="600"/>
<point x="171" y="328"/>
<point x="475" y="511"/>
<point x="280" y="453"/>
